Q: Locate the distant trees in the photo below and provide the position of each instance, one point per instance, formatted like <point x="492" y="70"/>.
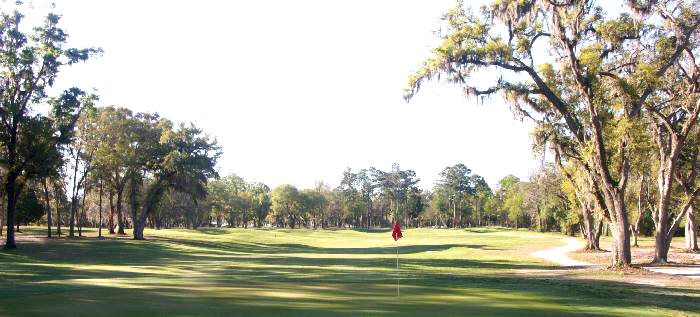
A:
<point x="511" y="190"/>
<point x="29" y="208"/>
<point x="235" y="203"/>
<point x="397" y="186"/>
<point x="363" y="199"/>
<point x="457" y="184"/>
<point x="287" y="206"/>
<point x="547" y="201"/>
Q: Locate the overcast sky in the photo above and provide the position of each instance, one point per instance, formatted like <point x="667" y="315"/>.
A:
<point x="294" y="91"/>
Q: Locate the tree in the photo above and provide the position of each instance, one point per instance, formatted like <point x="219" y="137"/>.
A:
<point x="457" y="181"/>
<point x="29" y="64"/>
<point x="219" y="197"/>
<point x="579" y="194"/>
<point x="81" y="145"/>
<point x="514" y="205"/>
<point x="545" y="200"/>
<point x="261" y="203"/>
<point x="396" y="185"/>
<point x="482" y="195"/>
<point x="440" y="205"/>
<point x="286" y="204"/>
<point x="687" y="176"/>
<point x="674" y="107"/>
<point x="181" y="159"/>
<point x="367" y="185"/>
<point x="350" y="193"/>
<point x="114" y="156"/>
<point x="29" y="208"/>
<point x="314" y="202"/>
<point x="225" y="197"/>
<point x="588" y="97"/>
<point x="512" y="197"/>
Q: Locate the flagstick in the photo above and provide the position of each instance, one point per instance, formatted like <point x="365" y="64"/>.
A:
<point x="398" y="283"/>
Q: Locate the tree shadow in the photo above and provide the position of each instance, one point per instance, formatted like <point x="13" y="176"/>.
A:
<point x="332" y="277"/>
<point x="214" y="231"/>
<point x="373" y="230"/>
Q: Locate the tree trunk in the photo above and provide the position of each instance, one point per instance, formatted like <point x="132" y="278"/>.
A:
<point x="120" y="218"/>
<point x="369" y="212"/>
<point x="74" y="197"/>
<point x="73" y="207"/>
<point x="153" y="194"/>
<point x="57" y="199"/>
<point x="589" y="227"/>
<point x="133" y="203"/>
<point x="80" y="218"/>
<point x="691" y="240"/>
<point x="111" y="212"/>
<point x="11" y="207"/>
<point x="138" y="231"/>
<point x="196" y="220"/>
<point x="598" y="233"/>
<point x="663" y="243"/>
<point x="640" y="214"/>
<point x="622" y="252"/>
<point x="660" y="215"/>
<point x="99" y="228"/>
<point x="454" y="215"/>
<point x="48" y="207"/>
<point x="623" y="256"/>
<point x="605" y="229"/>
<point x="635" y="235"/>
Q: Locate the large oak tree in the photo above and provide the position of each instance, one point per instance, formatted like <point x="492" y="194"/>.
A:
<point x="583" y="77"/>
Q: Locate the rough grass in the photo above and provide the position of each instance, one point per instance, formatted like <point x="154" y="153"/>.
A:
<point x="249" y="272"/>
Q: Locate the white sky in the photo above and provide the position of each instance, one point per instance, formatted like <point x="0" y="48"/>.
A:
<point x="295" y="91"/>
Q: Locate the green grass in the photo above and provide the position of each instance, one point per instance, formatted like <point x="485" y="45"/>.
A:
<point x="248" y="272"/>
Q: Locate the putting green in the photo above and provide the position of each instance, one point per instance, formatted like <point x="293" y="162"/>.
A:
<point x="251" y="272"/>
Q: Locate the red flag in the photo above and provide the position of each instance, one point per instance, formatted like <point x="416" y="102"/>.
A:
<point x="396" y="234"/>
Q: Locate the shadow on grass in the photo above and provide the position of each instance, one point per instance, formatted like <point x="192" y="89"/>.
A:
<point x="213" y="231"/>
<point x="180" y="277"/>
<point x="374" y="230"/>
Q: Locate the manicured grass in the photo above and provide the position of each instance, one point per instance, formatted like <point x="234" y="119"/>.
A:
<point x="249" y="272"/>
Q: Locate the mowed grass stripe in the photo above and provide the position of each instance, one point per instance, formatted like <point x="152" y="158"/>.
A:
<point x="301" y="272"/>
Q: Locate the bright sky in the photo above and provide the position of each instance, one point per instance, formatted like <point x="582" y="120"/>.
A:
<point x="295" y="91"/>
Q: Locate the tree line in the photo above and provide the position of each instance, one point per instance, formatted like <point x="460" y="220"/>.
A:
<point x="371" y="198"/>
<point x="54" y="160"/>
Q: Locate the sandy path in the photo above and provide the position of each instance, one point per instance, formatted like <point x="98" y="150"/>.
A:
<point x="558" y="255"/>
<point x="691" y="271"/>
